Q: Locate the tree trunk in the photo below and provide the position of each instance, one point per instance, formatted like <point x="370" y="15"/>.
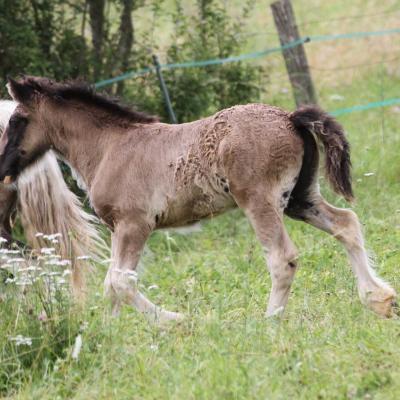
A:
<point x="43" y="16"/>
<point x="96" y="13"/>
<point x="125" y="43"/>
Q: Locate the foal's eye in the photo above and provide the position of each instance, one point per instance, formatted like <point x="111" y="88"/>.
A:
<point x="22" y="152"/>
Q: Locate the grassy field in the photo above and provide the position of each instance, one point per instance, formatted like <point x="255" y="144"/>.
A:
<point x="327" y="346"/>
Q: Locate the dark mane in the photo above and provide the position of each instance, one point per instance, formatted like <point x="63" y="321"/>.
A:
<point x="84" y="93"/>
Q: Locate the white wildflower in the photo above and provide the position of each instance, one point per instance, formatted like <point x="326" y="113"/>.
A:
<point x="16" y="260"/>
<point x="369" y="174"/>
<point x="33" y="268"/>
<point x="53" y="273"/>
<point x="7" y="251"/>
<point x="53" y="236"/>
<point x="47" y="250"/>
<point x="10" y="280"/>
<point x="151" y="287"/>
<point x="24" y="281"/>
<point x="39" y="234"/>
<point x="67" y="272"/>
<point x="132" y="275"/>
<point x="77" y="347"/>
<point x="2" y="240"/>
<point x="336" y="97"/>
<point x="83" y="258"/>
<point x="21" y="340"/>
<point x="154" y="347"/>
<point x="54" y="262"/>
<point x="84" y="326"/>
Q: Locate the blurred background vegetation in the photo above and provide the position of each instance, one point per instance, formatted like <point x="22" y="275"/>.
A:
<point x="97" y="39"/>
<point x="328" y="346"/>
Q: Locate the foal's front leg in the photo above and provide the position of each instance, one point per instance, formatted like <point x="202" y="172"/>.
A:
<point x="121" y="282"/>
<point x="8" y="203"/>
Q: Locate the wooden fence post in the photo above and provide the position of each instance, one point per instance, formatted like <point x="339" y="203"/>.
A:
<point x="295" y="57"/>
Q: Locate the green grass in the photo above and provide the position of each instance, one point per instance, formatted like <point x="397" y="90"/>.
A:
<point x="327" y="346"/>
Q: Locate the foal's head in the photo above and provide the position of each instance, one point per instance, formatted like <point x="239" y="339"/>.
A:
<point x="43" y="106"/>
<point x="22" y="142"/>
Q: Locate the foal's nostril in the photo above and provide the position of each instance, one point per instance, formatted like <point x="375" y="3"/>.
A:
<point x="292" y="264"/>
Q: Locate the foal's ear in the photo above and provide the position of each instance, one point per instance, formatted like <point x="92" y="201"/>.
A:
<point x="22" y="92"/>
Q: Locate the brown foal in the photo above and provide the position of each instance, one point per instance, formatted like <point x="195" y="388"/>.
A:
<point x="142" y="175"/>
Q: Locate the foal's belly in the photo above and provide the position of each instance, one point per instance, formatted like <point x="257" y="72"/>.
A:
<point x="189" y="206"/>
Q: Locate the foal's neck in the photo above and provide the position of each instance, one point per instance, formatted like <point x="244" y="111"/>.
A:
<point x="81" y="143"/>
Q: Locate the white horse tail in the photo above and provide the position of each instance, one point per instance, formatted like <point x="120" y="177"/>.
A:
<point x="47" y="206"/>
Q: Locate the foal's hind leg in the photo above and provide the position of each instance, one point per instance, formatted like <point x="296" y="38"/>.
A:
<point x="267" y="221"/>
<point x="344" y="225"/>
<point x="128" y="241"/>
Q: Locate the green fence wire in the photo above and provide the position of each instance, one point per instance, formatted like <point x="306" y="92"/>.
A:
<point x="368" y="106"/>
<point x="263" y="53"/>
<point x="204" y="63"/>
<point x="247" y="56"/>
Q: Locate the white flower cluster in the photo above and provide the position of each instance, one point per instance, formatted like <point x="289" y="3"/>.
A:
<point x="53" y="238"/>
<point x="21" y="340"/>
<point x="47" y="267"/>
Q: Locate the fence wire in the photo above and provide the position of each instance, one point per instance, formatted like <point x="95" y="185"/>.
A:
<point x="266" y="52"/>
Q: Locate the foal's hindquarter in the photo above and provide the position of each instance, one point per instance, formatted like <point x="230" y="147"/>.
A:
<point x="246" y="156"/>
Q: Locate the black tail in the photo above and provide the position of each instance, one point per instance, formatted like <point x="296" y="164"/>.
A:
<point x="310" y="120"/>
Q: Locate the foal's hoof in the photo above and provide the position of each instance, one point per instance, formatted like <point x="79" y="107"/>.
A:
<point x="277" y="313"/>
<point x="383" y="302"/>
<point x="164" y="317"/>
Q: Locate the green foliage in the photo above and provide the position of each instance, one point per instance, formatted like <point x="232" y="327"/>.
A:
<point x="19" y="47"/>
<point x="53" y="38"/>
<point x="39" y="38"/>
<point x="207" y="33"/>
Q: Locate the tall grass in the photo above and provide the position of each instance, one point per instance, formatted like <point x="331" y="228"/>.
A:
<point x="327" y="346"/>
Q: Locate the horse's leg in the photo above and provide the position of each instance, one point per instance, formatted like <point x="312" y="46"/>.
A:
<point x="121" y="282"/>
<point x="8" y="202"/>
<point x="344" y="225"/>
<point x="267" y="221"/>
